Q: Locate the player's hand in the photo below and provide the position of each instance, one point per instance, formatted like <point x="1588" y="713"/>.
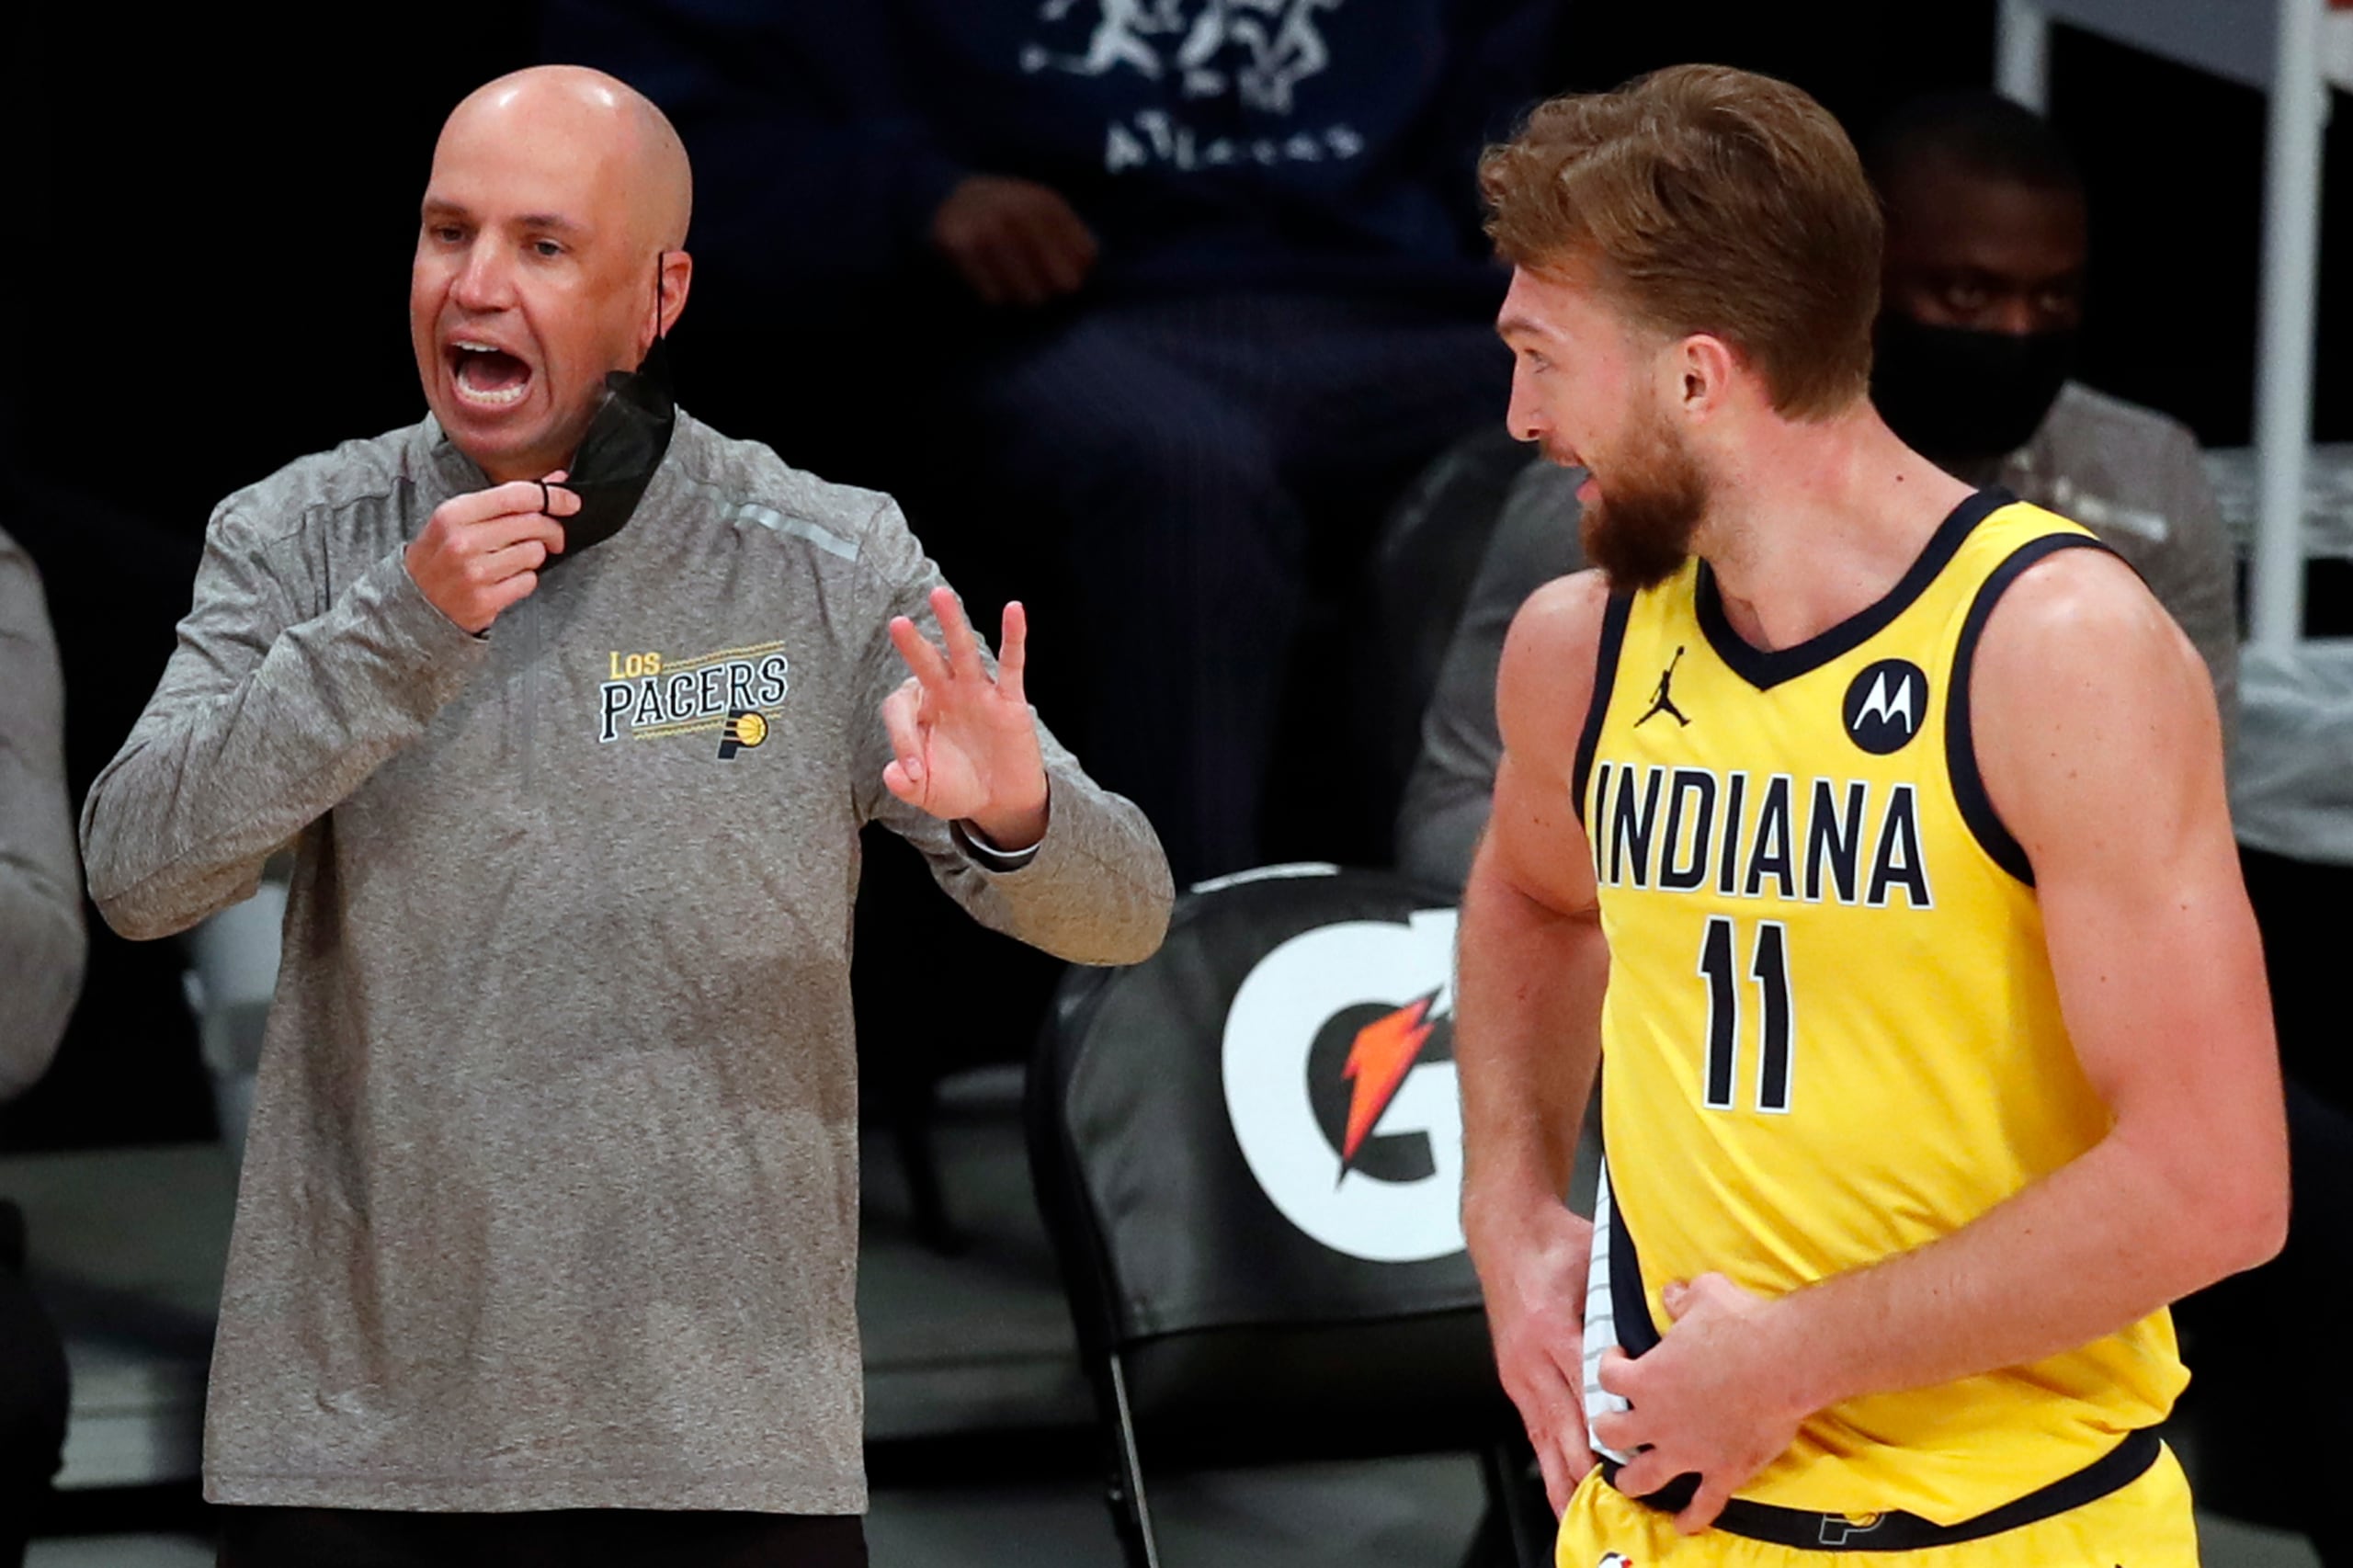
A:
<point x="1707" y="1399"/>
<point x="1015" y="241"/>
<point x="1534" y="1283"/>
<point x="967" y="744"/>
<point x="481" y="552"/>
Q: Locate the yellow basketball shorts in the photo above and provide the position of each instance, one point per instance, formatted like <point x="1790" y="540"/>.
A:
<point x="2144" y="1523"/>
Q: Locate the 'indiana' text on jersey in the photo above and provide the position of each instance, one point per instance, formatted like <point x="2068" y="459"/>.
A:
<point x="1781" y="838"/>
<point x="1831" y="1032"/>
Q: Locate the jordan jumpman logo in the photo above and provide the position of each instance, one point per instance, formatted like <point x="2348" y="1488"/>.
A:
<point x="1660" y="701"/>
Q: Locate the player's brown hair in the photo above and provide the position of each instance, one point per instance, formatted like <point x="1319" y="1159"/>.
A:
<point x="1710" y="201"/>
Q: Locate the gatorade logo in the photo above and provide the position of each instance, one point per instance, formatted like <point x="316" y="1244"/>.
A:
<point x="1339" y="1081"/>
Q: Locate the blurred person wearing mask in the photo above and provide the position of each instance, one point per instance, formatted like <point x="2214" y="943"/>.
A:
<point x="546" y="1237"/>
<point x="41" y="949"/>
<point x="1981" y="299"/>
<point x="1982" y="292"/>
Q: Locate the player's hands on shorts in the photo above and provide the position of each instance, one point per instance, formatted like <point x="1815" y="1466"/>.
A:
<point x="965" y="744"/>
<point x="1534" y="1283"/>
<point x="1708" y="1399"/>
<point x="483" y="552"/>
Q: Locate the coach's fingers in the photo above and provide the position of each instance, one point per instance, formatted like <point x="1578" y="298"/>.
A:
<point x="901" y="717"/>
<point x="923" y="660"/>
<point x="555" y="501"/>
<point x="963" y="648"/>
<point x="500" y="596"/>
<point x="507" y="531"/>
<point x="523" y="555"/>
<point x="1013" y="650"/>
<point x="521" y="497"/>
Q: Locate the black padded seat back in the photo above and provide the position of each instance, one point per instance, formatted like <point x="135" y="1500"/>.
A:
<point x="1422" y="571"/>
<point x="1248" y="1151"/>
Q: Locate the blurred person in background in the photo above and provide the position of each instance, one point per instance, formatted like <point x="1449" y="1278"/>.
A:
<point x="42" y="950"/>
<point x="1981" y="292"/>
<point x="1186" y="289"/>
<point x="126" y="1069"/>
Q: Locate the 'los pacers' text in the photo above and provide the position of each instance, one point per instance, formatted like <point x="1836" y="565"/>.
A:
<point x="693" y="694"/>
<point x="1682" y="829"/>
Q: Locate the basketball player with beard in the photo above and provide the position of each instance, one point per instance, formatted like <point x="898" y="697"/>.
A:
<point x="1940" y="1051"/>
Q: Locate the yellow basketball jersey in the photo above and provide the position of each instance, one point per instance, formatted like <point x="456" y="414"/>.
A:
<point x="1831" y="1032"/>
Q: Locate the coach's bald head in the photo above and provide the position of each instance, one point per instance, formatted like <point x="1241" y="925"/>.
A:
<point x="556" y="195"/>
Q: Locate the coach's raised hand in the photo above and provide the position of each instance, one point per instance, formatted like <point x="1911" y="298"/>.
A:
<point x="481" y="552"/>
<point x="966" y="744"/>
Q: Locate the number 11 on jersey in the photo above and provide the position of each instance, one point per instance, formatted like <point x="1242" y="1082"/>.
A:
<point x="1770" y="967"/>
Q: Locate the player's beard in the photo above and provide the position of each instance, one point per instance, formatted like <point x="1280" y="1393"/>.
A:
<point x="1639" y="532"/>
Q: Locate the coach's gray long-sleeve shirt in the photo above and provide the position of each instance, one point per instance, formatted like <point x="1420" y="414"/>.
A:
<point x="550" y="1192"/>
<point x="41" y="940"/>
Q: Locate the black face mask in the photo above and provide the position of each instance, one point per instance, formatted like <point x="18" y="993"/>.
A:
<point x="1956" y="394"/>
<point x="623" y="446"/>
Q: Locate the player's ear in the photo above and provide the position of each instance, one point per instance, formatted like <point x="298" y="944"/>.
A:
<point x="1705" y="364"/>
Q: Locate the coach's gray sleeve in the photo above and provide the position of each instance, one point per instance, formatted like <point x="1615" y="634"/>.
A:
<point x="275" y="706"/>
<point x="1098" y="891"/>
<point x="1453" y="781"/>
<point x="41" y="940"/>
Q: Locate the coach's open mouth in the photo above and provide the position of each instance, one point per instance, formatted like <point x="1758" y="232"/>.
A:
<point x="487" y="376"/>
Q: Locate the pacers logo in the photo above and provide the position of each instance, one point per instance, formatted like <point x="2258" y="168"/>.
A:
<point x="746" y="727"/>
<point x="1339" y="1079"/>
<point x="735" y="693"/>
<point x="1885" y="706"/>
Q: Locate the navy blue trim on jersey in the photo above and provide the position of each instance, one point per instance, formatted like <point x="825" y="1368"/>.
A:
<point x="1801" y="1529"/>
<point x="1638" y="1335"/>
<point x="1605" y="681"/>
<point x="1961" y="749"/>
<point x="1764" y="670"/>
<point x="1629" y="1303"/>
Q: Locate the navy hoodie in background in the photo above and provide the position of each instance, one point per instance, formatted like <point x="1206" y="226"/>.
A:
<point x="1326" y="144"/>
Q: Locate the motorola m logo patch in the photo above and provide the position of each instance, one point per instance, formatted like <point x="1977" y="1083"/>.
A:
<point x="1339" y="1081"/>
<point x="1886" y="705"/>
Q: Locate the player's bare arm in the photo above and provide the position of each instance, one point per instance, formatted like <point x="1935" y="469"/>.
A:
<point x="2098" y="740"/>
<point x="1531" y="973"/>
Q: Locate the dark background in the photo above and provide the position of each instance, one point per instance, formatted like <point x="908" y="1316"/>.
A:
<point x="209" y="220"/>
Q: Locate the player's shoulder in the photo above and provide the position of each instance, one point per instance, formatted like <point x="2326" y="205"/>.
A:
<point x="2077" y="630"/>
<point x="2075" y="602"/>
<point x="1550" y="654"/>
<point x="1560" y="623"/>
